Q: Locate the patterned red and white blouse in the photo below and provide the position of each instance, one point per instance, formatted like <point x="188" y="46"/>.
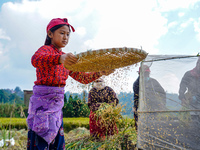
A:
<point x="51" y="73"/>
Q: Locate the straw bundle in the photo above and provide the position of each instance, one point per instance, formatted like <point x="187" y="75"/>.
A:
<point x="108" y="114"/>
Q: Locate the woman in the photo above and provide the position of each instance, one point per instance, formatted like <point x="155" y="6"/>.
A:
<point x="101" y="94"/>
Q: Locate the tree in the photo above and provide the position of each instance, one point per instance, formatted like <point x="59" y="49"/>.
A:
<point x="65" y="98"/>
<point x="68" y="110"/>
<point x="76" y="103"/>
<point x="84" y="111"/>
<point x="84" y="96"/>
<point x="4" y="96"/>
<point x="14" y="98"/>
<point x="75" y="107"/>
<point x="17" y="89"/>
<point x="19" y="92"/>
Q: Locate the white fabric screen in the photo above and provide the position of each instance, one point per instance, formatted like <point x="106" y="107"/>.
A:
<point x="169" y="119"/>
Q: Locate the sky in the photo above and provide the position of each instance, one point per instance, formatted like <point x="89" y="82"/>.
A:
<point x="159" y="27"/>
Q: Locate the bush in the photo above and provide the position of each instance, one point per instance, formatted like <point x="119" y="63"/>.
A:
<point x="12" y="110"/>
<point x="74" y="107"/>
<point x="84" y="111"/>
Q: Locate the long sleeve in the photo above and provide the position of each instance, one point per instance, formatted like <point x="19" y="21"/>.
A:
<point x="45" y="56"/>
<point x="93" y="101"/>
<point x="112" y="97"/>
<point x="84" y="77"/>
<point x="136" y="93"/>
<point x="48" y="70"/>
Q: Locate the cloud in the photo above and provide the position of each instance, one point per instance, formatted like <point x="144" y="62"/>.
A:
<point x="128" y="24"/>
<point x="197" y="28"/>
<point x="181" y="14"/>
<point x="185" y="24"/>
<point x="4" y="58"/>
<point x="81" y="31"/>
<point x="3" y="35"/>
<point x="125" y="25"/>
<point x="170" y="5"/>
<point x="172" y="24"/>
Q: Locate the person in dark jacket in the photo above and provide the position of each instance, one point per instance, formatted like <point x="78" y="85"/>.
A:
<point x="189" y="91"/>
<point x="97" y="95"/>
<point x="154" y="93"/>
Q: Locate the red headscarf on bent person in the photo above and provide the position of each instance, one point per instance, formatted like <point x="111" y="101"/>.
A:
<point x="145" y="68"/>
<point x="57" y="21"/>
<point x="195" y="71"/>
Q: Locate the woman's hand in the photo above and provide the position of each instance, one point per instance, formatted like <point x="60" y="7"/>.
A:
<point x="107" y="72"/>
<point x="68" y="59"/>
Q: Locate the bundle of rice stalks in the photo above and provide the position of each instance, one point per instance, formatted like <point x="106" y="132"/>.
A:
<point x="77" y="134"/>
<point x="108" y="113"/>
<point x="124" y="140"/>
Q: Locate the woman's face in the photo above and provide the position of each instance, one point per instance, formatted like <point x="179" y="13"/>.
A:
<point x="99" y="84"/>
<point x="60" y="37"/>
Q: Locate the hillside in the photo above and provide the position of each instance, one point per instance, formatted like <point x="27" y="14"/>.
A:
<point x="126" y="99"/>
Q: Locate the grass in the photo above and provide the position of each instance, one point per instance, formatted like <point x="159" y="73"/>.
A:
<point x="6" y="121"/>
<point x="77" y="135"/>
<point x="69" y="123"/>
<point x="76" y="120"/>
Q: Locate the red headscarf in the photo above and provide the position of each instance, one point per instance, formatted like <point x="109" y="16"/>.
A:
<point x="194" y="71"/>
<point x="57" y="21"/>
<point x="145" y="68"/>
